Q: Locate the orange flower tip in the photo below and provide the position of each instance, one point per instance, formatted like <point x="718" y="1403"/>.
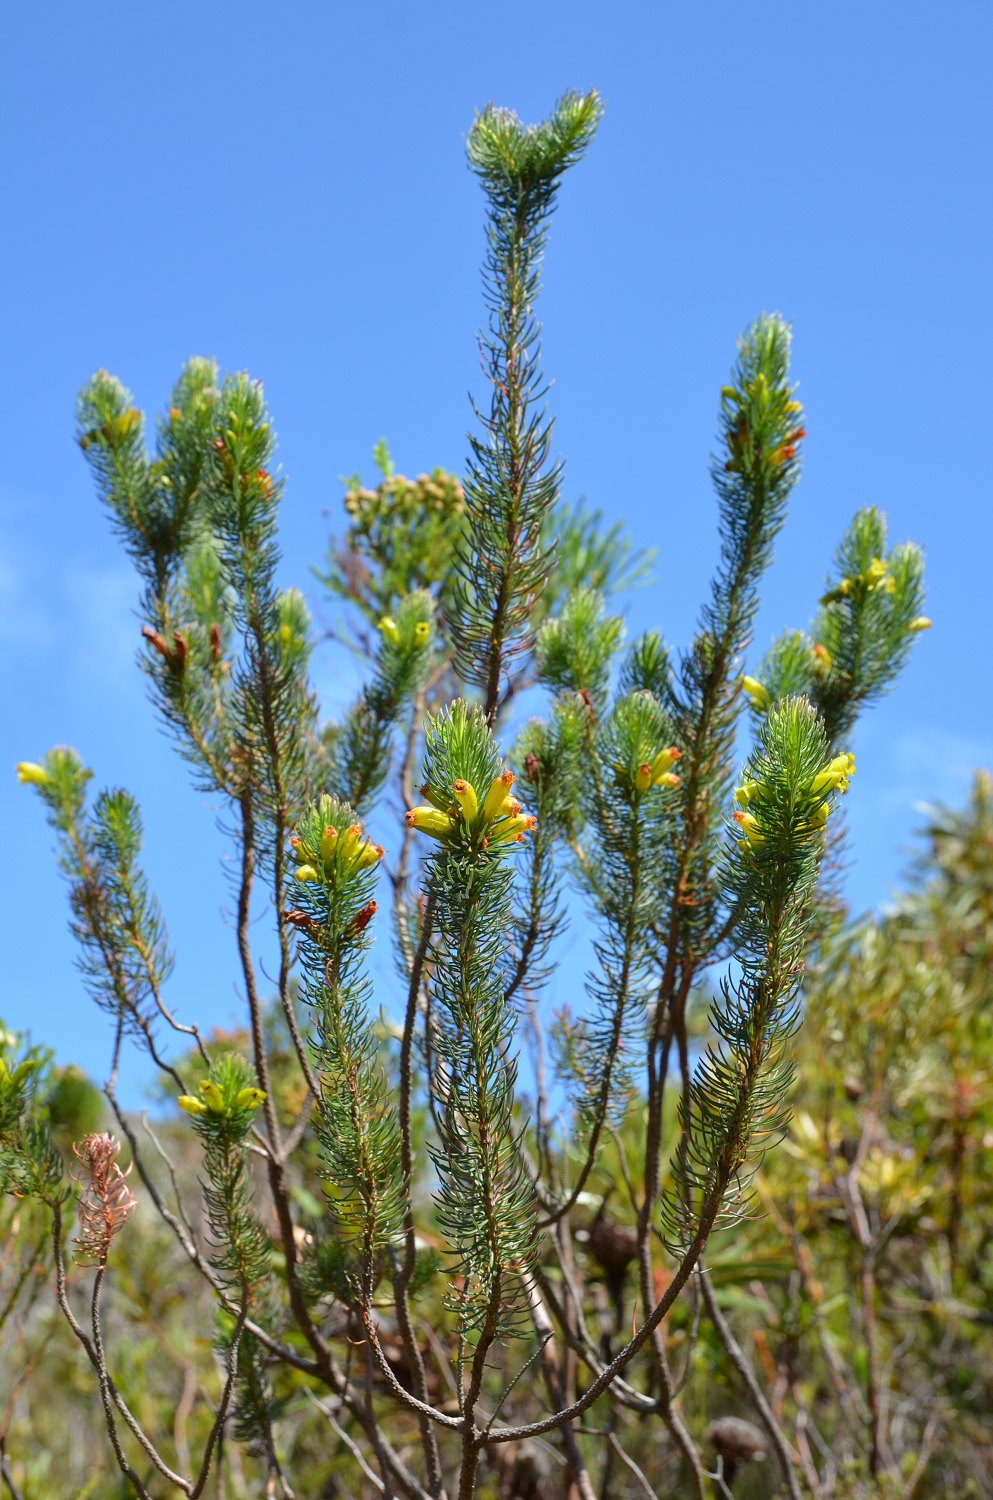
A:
<point x="408" y="817"/>
<point x="738" y="815"/>
<point x="507" y="777"/>
<point x="513" y="807"/>
<point x="174" y="413"/>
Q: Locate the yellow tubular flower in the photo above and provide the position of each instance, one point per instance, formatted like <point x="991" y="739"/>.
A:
<point x="192" y="1106"/>
<point x="875" y="571"/>
<point x="439" y="802"/>
<point x="643" y="778"/>
<point x="389" y="630"/>
<point x="758" y="694"/>
<point x="431" y="820"/>
<point x="746" y="792"/>
<point x="837" y="775"/>
<point x="29" y="774"/>
<point x="496" y="799"/>
<point x="508" y="829"/>
<point x="749" y="825"/>
<point x="369" y="854"/>
<point x="663" y="762"/>
<point x="465" y="796"/>
<point x="212" y="1096"/>
<point x="668" y="779"/>
<point x="329" y="840"/>
<point x="349" y="842"/>
<point x="307" y="873"/>
<point x="421" y="632"/>
<point x="921" y="623"/>
<point x="822" y="658"/>
<point x="249" y="1098"/>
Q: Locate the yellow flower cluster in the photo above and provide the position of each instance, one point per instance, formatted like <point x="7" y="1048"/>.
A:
<point x="343" y="854"/>
<point x="498" y="820"/>
<point x="871" y="581"/>
<point x="834" y="778"/>
<point x="212" y="1101"/>
<point x="657" y="772"/>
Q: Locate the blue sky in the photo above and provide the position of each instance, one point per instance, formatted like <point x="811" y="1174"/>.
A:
<point x="284" y="188"/>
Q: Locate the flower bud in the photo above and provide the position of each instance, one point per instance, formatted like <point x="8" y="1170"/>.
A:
<point x="663" y="761"/>
<point x="749" y="825"/>
<point x="745" y="793"/>
<point x="431" y="820"/>
<point x="512" y="829"/>
<point x="329" y="840"/>
<point x="822" y="658"/>
<point x="643" y="778"/>
<point x="669" y="780"/>
<point x="363" y="916"/>
<point x="154" y="639"/>
<point x="422" y="631"/>
<point x="369" y="854"/>
<point x="249" y="1098"/>
<point x="349" y="842"/>
<point x="192" y="1106"/>
<point x="213" y="1098"/>
<point x="875" y="571"/>
<point x="307" y="873"/>
<point x="465" y="796"/>
<point x="920" y="623"/>
<point x="389" y="630"/>
<point x="496" y="799"/>
<point x="443" y="804"/>
<point x="757" y="693"/>
<point x="30" y="774"/>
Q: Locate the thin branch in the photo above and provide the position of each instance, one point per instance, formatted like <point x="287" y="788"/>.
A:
<point x="737" y="1357"/>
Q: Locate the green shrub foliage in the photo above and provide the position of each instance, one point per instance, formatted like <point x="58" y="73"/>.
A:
<point x="435" y="1239"/>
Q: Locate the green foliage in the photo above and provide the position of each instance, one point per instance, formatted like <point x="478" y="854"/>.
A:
<point x="279" y="1315"/>
<point x="485" y="1202"/>
<point x="361" y="747"/>
<point x="223" y="1112"/>
<point x="862" y="636"/>
<point x="510" y="490"/>
<point x="738" y="1099"/>
<point x="400" y="540"/>
<point x="575" y="649"/>
<point x="358" y="1134"/>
